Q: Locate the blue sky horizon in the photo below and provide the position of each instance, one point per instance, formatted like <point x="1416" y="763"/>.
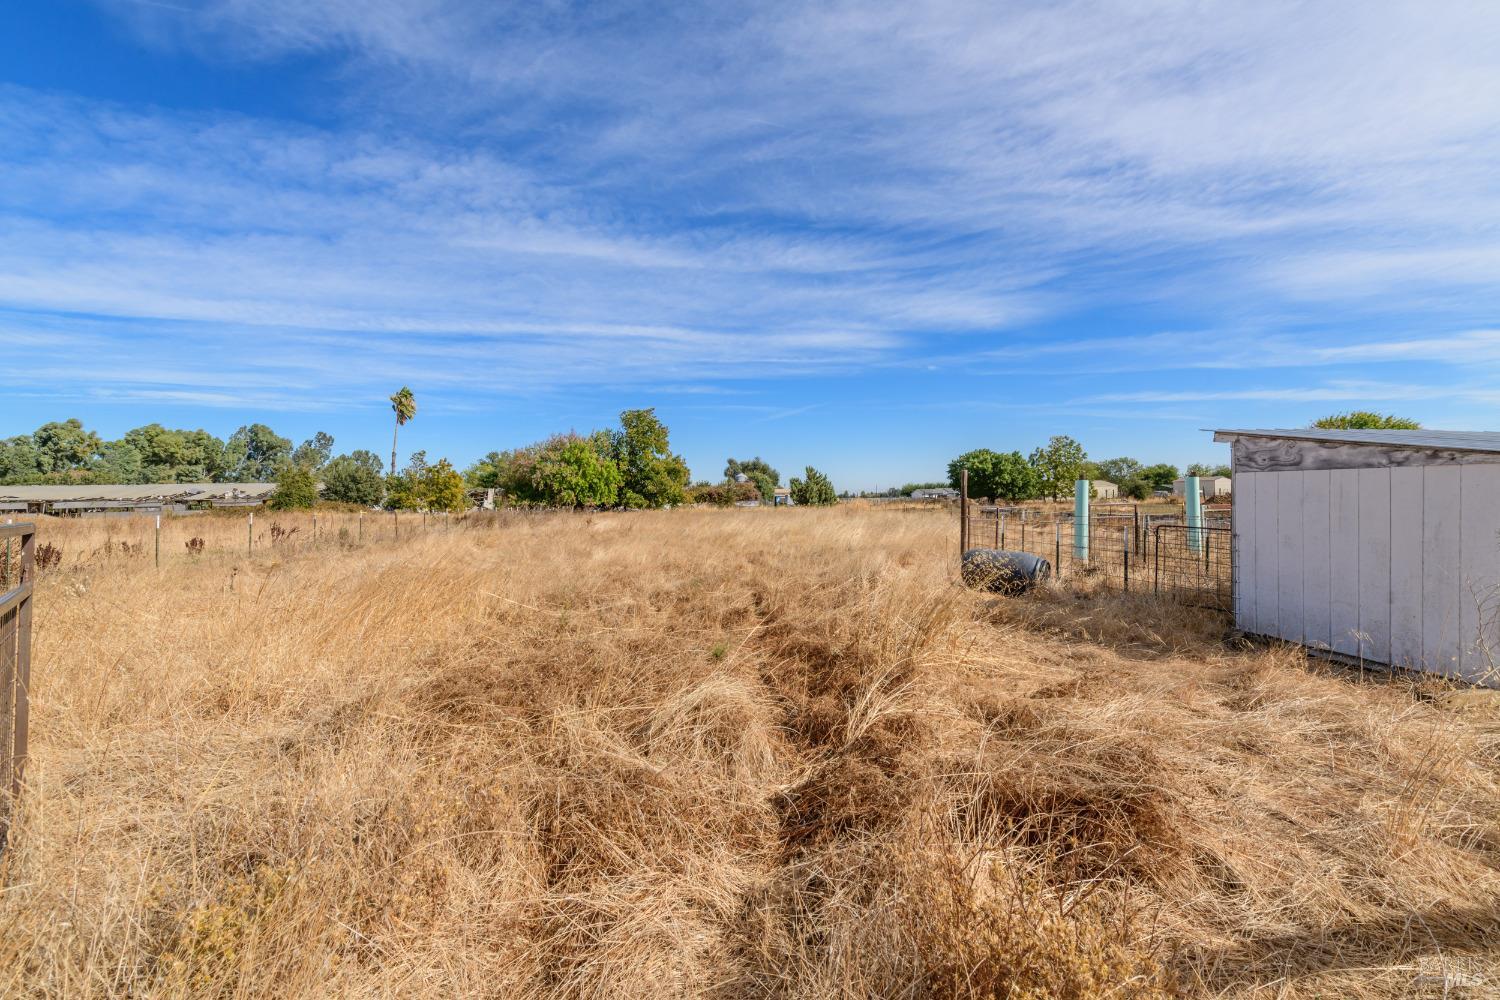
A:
<point x="861" y="236"/>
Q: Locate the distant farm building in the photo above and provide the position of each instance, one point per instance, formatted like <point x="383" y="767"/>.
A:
<point x="1105" y="490"/>
<point x="1208" y="486"/>
<point x="1377" y="546"/>
<point x="150" y="498"/>
<point x="938" y="493"/>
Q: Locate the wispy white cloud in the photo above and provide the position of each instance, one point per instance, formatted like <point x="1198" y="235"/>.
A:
<point x="1335" y="391"/>
<point x="508" y="198"/>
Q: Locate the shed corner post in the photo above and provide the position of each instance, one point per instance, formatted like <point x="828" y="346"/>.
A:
<point x="1081" y="521"/>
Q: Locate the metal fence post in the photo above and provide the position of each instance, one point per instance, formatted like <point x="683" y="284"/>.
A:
<point x="1125" y="555"/>
<point x="1056" y="545"/>
<point x="1156" y="567"/>
<point x="361" y="526"/>
<point x="1002" y="531"/>
<point x="158" y="541"/>
<point x="1081" y="520"/>
<point x="1193" y="502"/>
<point x="963" y="512"/>
<point x="250" y="535"/>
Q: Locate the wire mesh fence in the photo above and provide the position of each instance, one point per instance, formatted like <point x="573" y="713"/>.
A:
<point x="71" y="542"/>
<point x="1119" y="546"/>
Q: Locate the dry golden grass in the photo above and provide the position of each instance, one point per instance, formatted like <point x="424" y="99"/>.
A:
<point x="717" y="754"/>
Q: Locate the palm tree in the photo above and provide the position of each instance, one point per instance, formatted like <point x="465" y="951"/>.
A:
<point x="404" y="404"/>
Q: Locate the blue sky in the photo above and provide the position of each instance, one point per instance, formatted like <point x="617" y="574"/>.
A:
<point x="865" y="236"/>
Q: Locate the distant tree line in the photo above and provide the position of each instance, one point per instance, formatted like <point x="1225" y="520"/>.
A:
<point x="1050" y="471"/>
<point x="66" y="452"/>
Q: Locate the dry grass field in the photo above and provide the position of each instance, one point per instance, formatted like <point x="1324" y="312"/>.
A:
<point x="716" y="754"/>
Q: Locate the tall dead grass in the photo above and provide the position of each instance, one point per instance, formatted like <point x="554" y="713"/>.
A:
<point x="720" y="754"/>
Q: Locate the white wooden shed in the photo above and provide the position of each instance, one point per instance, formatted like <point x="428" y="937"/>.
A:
<point x="1377" y="545"/>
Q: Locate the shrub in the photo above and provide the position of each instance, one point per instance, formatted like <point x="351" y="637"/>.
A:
<point x="814" y="490"/>
<point x="1367" y="420"/>
<point x="725" y="494"/>
<point x="349" y="479"/>
<point x="295" y="490"/>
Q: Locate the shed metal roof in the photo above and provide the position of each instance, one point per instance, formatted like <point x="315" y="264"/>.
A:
<point x="1487" y="441"/>
<point x="139" y="491"/>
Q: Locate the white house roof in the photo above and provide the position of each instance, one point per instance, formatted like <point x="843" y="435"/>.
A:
<point x="1486" y="441"/>
<point x="184" y="492"/>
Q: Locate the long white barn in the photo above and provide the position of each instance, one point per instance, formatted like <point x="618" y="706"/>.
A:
<point x="130" y="498"/>
<point x="1382" y="546"/>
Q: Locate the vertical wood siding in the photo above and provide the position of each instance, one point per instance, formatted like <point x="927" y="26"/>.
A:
<point x="1396" y="565"/>
<point x="1343" y="556"/>
<point x="1441" y="555"/>
<point x="1317" y="569"/>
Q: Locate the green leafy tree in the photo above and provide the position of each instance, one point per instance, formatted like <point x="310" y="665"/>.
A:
<point x="578" y="473"/>
<point x="1366" y="420"/>
<point x="1135" y="489"/>
<point x="118" y="462"/>
<point x="910" y="488"/>
<point x="65" y="444"/>
<point x="256" y="454"/>
<point x="20" y="462"/>
<point x="295" y="489"/>
<point x="994" y="474"/>
<point x="650" y="475"/>
<point x="485" y="474"/>
<point x="1058" y="464"/>
<point x="314" y="452"/>
<point x="1159" y="477"/>
<point x="443" y="489"/>
<point x="813" y="490"/>
<point x="1117" y="470"/>
<point x="177" y="456"/>
<point x="354" y="478"/>
<point x="404" y="406"/>
<point x="403" y="490"/>
<point x="566" y="470"/>
<point x="1222" y="470"/>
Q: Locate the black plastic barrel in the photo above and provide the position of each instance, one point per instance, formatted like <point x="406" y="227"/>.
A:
<point x="1004" y="572"/>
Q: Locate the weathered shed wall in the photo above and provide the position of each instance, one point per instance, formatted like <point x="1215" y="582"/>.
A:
<point x="1375" y="556"/>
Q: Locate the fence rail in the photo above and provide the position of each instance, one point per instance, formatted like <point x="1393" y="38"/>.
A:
<point x="1123" y="548"/>
<point x="17" y="569"/>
